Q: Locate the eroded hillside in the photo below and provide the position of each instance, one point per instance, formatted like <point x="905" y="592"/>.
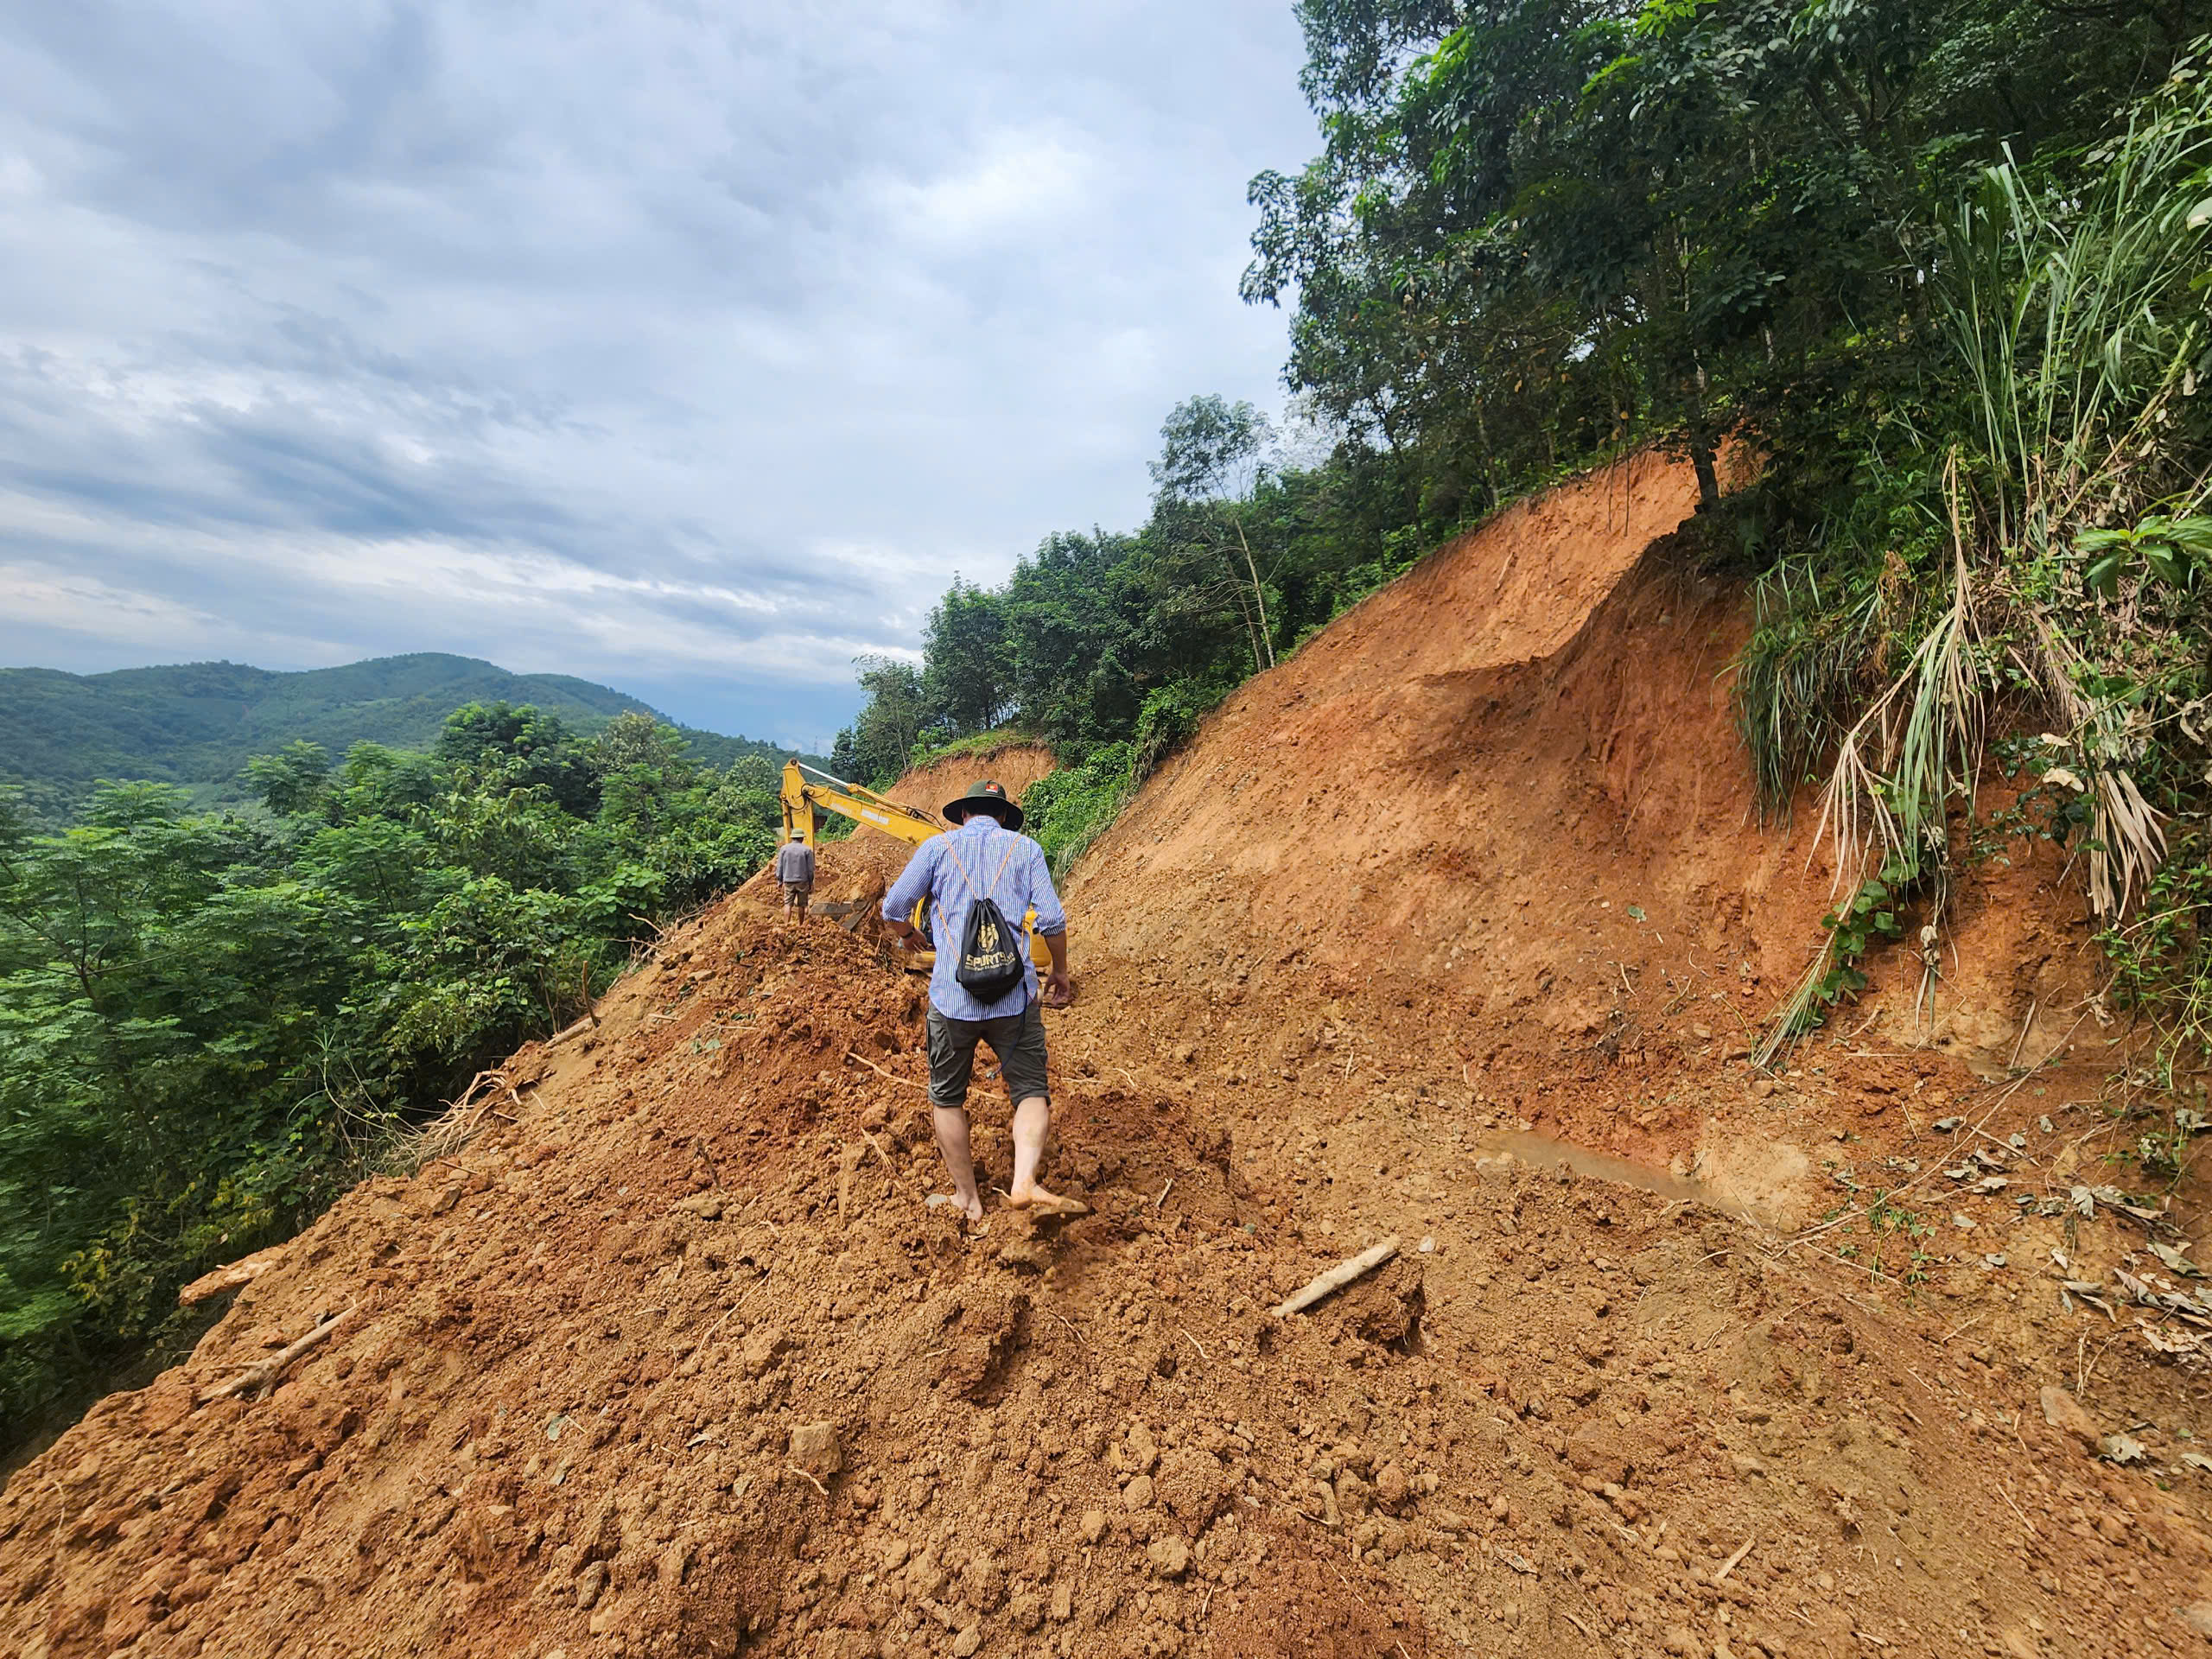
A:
<point x="669" y="1355"/>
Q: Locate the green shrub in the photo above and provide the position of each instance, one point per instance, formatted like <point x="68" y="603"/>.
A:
<point x="1069" y="809"/>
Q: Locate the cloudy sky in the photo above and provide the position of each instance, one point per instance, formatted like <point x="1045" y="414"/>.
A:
<point x="687" y="344"/>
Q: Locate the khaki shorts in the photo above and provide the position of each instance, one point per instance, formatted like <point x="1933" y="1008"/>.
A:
<point x="1018" y="1040"/>
<point x="797" y="890"/>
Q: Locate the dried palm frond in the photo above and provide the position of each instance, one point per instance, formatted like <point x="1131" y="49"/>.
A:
<point x="444" y="1135"/>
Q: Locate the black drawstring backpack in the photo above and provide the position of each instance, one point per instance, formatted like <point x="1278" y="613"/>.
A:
<point x="991" y="958"/>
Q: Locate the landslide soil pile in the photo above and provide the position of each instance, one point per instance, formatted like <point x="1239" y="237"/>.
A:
<point x="670" y="1355"/>
<point x="1492" y="830"/>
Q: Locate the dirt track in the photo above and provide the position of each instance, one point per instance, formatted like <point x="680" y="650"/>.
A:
<point x="671" y="1358"/>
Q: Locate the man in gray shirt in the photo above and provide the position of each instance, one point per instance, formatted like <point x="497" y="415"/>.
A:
<point x="795" y="870"/>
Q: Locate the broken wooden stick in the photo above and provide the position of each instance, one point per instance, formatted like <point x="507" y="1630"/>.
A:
<point x="1729" y="1566"/>
<point x="853" y="1054"/>
<point x="1336" y="1278"/>
<point x="242" y="1272"/>
<point x="258" y="1377"/>
<point x="590" y="1022"/>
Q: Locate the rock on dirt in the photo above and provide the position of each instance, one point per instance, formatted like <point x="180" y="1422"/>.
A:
<point x="2065" y="1414"/>
<point x="816" y="1448"/>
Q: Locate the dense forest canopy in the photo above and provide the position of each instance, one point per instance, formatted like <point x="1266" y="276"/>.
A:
<point x="1940" y="268"/>
<point x="212" y="1022"/>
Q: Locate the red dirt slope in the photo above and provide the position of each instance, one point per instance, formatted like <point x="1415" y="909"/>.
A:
<point x="1512" y="778"/>
<point x="1501" y="809"/>
<point x="671" y="1359"/>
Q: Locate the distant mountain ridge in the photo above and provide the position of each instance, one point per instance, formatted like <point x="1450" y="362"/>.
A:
<point x="197" y="723"/>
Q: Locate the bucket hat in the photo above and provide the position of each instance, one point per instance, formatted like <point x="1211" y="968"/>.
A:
<point x="987" y="793"/>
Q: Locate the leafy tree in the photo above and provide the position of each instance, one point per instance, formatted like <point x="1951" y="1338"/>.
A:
<point x="966" y="674"/>
<point x="523" y="747"/>
<point x="292" y="781"/>
<point x="208" y="1025"/>
<point x="875" y="748"/>
<point x="1209" y="465"/>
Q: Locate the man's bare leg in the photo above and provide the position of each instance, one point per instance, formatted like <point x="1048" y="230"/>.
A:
<point x="951" y="1125"/>
<point x="1033" y="1121"/>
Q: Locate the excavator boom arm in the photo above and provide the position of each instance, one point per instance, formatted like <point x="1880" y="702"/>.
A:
<point x="806" y="789"/>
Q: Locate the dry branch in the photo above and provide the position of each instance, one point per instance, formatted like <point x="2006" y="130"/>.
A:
<point x="455" y="1126"/>
<point x="242" y="1272"/>
<point x="854" y="1054"/>
<point x="590" y="1022"/>
<point x="1337" y="1277"/>
<point x="256" y="1377"/>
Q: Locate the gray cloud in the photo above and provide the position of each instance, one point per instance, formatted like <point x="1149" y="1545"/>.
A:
<point x="680" y="345"/>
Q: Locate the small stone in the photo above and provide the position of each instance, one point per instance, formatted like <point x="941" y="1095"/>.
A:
<point x="1499" y="1508"/>
<point x="1027" y="1611"/>
<point x="1428" y="1246"/>
<point x="2064" y="1412"/>
<point x="1137" y="1495"/>
<point x="1681" y="1644"/>
<point x="1062" y="1602"/>
<point x="1947" y="1125"/>
<point x="1761" y="1087"/>
<point x="1170" y="1556"/>
<point x="761" y="1348"/>
<point x="589" y="1584"/>
<point x="965" y="1643"/>
<point x="2121" y="1448"/>
<point x="1093" y="1525"/>
<point x="2198" y="1616"/>
<point x="816" y="1448"/>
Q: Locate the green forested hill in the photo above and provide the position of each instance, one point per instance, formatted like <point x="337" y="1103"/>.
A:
<point x="197" y="723"/>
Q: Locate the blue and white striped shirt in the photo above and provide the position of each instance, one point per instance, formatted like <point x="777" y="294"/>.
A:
<point x="982" y="847"/>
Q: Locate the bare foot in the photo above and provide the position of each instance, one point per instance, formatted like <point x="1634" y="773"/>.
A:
<point x="973" y="1210"/>
<point x="1039" y="1202"/>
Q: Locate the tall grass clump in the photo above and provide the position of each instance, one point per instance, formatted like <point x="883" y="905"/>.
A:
<point x="2029" y="554"/>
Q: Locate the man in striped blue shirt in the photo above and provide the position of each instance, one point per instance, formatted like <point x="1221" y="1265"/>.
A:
<point x="985" y="856"/>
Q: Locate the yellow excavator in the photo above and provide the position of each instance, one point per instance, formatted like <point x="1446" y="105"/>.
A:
<point x="806" y="791"/>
